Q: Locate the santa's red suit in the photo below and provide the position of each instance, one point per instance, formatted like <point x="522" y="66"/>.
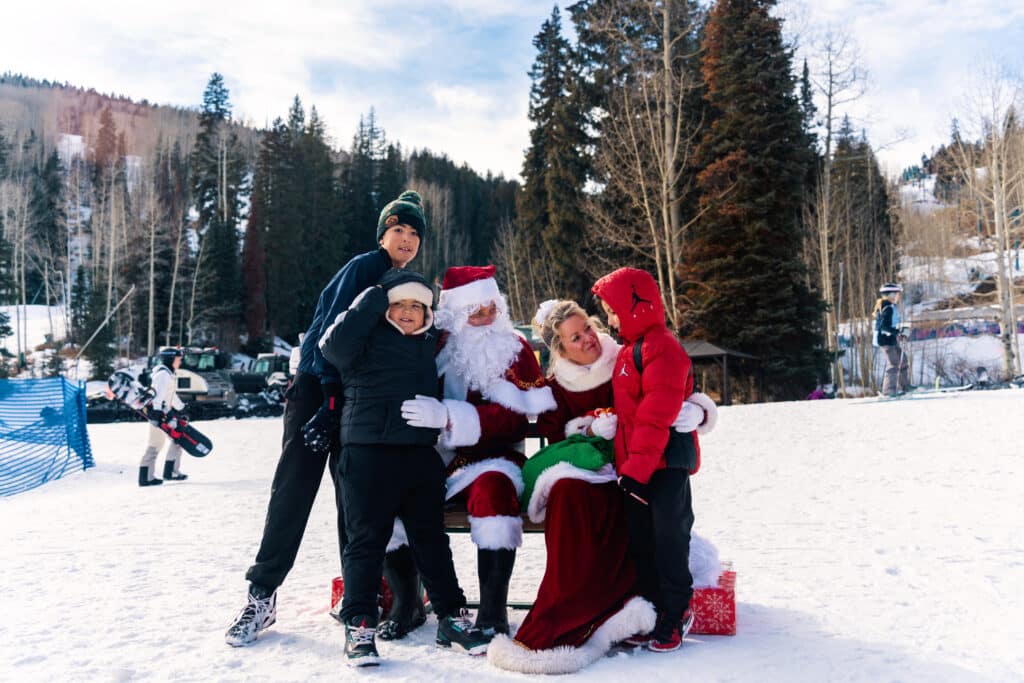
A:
<point x="492" y="386"/>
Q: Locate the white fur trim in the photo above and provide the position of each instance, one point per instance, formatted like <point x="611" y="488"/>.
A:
<point x="578" y="425"/>
<point x="476" y="293"/>
<point x="710" y="411"/>
<point x="636" y="616"/>
<point x="464" y="421"/>
<point x="529" y="402"/>
<point x="411" y="290"/>
<point x="464" y="476"/>
<point x="542" y="312"/>
<point x="705" y="567"/>
<point x="538" y="504"/>
<point x="500" y="532"/>
<point x="578" y="378"/>
<point x="398" y="537"/>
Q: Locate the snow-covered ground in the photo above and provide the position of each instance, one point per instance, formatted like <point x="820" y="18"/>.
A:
<point x="874" y="541"/>
<point x="37" y="323"/>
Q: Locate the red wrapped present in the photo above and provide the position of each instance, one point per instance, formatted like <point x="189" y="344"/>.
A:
<point x="714" y="609"/>
<point x="384" y="598"/>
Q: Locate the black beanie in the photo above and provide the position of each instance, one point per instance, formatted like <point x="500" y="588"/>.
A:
<point x="407" y="209"/>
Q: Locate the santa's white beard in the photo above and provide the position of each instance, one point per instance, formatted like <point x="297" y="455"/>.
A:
<point x="480" y="355"/>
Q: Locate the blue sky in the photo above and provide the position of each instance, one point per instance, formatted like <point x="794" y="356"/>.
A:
<point x="451" y="75"/>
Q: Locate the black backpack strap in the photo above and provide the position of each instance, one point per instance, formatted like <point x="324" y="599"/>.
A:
<point x="638" y="358"/>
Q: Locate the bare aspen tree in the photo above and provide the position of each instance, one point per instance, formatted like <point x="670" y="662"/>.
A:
<point x="180" y="228"/>
<point x="989" y="114"/>
<point x="646" y="144"/>
<point x="525" y="273"/>
<point x="839" y="80"/>
<point x="151" y="216"/>
<point x="445" y="247"/>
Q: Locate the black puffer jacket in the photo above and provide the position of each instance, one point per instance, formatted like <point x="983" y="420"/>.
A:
<point x="380" y="368"/>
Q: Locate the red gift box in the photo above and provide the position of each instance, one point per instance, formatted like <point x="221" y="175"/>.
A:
<point x="714" y="609"/>
<point x="384" y="598"/>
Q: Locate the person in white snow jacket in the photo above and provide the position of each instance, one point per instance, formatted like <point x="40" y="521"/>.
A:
<point x="164" y="386"/>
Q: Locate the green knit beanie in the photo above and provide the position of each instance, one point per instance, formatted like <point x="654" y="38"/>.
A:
<point x="407" y="209"/>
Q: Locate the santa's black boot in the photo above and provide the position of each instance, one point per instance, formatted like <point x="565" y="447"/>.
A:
<point x="494" y="568"/>
<point x="407" y="611"/>
<point x="144" y="479"/>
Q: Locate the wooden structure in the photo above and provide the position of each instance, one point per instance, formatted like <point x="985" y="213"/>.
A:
<point x="699" y="350"/>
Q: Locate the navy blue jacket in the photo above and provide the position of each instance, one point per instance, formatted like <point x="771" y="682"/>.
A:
<point x="359" y="273"/>
<point x="887" y="325"/>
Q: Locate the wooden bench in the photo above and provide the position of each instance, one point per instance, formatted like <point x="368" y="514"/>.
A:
<point x="456" y="521"/>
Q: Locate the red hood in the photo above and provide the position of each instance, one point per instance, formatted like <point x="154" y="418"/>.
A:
<point x="634" y="296"/>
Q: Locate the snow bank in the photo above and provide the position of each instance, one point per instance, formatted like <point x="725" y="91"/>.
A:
<point x="873" y="541"/>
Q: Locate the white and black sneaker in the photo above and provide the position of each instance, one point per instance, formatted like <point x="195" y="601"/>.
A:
<point x="258" y="614"/>
<point x="360" y="644"/>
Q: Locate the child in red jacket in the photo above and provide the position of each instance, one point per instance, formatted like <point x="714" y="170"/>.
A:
<point x="651" y="379"/>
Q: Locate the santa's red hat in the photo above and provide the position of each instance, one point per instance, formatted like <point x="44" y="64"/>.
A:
<point x="467" y="287"/>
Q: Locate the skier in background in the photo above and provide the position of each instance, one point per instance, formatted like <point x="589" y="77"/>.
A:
<point x="891" y="338"/>
<point x="165" y="399"/>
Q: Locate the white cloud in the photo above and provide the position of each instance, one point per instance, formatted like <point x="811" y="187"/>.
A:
<point x="919" y="54"/>
<point x="418" y="63"/>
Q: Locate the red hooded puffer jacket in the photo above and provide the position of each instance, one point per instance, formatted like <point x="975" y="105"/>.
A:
<point x="646" y="402"/>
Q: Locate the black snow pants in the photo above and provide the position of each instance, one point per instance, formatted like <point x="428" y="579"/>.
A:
<point x="296" y="482"/>
<point x="659" y="540"/>
<point x="379" y="483"/>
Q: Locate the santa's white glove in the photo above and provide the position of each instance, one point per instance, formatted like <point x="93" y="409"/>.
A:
<point x="578" y="425"/>
<point x="689" y="418"/>
<point x="604" y="426"/>
<point x="709" y="409"/>
<point x="425" y="411"/>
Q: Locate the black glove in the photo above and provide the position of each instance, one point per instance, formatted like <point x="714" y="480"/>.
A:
<point x="323" y="427"/>
<point x="631" y="487"/>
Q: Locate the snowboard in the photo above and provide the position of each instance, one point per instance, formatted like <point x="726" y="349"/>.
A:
<point x="127" y="389"/>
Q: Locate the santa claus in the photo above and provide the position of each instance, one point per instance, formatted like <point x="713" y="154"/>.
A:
<point x="492" y="387"/>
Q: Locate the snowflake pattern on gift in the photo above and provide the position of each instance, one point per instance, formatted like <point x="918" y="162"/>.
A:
<point x="715" y="608"/>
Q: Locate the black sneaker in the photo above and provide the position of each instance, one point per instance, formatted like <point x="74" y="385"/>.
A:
<point x="458" y="632"/>
<point x="360" y="646"/>
<point x="258" y="614"/>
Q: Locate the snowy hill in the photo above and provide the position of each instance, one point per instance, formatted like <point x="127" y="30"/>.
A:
<point x="874" y="541"/>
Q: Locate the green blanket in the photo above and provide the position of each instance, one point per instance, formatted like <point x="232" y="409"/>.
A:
<point x="586" y="452"/>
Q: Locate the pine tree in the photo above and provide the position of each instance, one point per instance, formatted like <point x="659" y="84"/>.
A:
<point x="218" y="183"/>
<point x="751" y="293"/>
<point x="549" y="206"/>
<point x="254" y="255"/>
<point x="49" y="226"/>
<point x="296" y="221"/>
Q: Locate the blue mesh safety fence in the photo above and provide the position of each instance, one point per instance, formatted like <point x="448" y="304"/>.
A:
<point x="42" y="432"/>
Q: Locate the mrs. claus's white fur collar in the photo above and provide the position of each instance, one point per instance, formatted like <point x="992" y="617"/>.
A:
<point x="574" y="377"/>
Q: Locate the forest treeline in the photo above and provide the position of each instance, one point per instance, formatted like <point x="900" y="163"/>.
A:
<point x="674" y="136"/>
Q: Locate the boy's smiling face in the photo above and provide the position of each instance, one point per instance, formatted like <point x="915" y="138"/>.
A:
<point x="402" y="242"/>
<point x="408" y="314"/>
